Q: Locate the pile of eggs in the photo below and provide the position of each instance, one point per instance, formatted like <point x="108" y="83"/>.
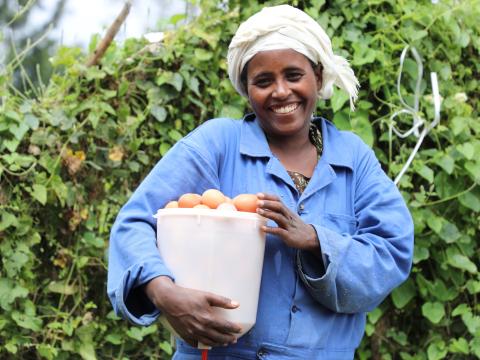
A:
<point x="215" y="199"/>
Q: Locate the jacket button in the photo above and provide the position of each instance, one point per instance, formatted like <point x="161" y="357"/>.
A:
<point x="302" y="206"/>
<point x="261" y="353"/>
<point x="295" y="308"/>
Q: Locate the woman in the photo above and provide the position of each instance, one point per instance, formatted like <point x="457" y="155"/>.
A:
<point x="339" y="239"/>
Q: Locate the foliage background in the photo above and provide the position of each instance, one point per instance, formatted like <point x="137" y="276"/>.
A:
<point x="72" y="151"/>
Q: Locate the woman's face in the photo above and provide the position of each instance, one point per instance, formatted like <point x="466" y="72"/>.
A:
<point x="282" y="90"/>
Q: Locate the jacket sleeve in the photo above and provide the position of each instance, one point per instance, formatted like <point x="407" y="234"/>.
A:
<point x="133" y="255"/>
<point x="360" y="269"/>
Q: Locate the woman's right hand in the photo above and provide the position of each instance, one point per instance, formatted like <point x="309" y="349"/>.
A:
<point x="191" y="312"/>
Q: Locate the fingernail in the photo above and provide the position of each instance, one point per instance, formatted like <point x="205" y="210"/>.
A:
<point x="260" y="203"/>
<point x="235" y="303"/>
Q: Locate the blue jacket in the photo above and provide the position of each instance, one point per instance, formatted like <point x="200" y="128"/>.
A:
<point x="307" y="310"/>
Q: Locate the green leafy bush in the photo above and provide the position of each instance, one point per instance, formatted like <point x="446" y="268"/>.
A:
<point x="71" y="156"/>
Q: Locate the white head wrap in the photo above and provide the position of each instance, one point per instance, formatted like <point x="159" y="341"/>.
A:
<point x="286" y="27"/>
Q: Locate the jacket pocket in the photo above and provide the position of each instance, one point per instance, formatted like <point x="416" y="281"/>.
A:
<point x="340" y="223"/>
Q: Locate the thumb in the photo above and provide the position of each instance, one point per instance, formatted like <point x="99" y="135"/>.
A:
<point x="221" y="301"/>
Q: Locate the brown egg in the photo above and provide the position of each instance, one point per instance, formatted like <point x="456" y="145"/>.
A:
<point x="226" y="206"/>
<point x="201" y="206"/>
<point x="171" y="204"/>
<point x="246" y="202"/>
<point x="189" y="200"/>
<point x="212" y="198"/>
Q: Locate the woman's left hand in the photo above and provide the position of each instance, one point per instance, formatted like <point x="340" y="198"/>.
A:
<point x="291" y="228"/>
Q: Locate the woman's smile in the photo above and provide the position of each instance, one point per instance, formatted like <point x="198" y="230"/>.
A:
<point x="285" y="109"/>
<point x="283" y="89"/>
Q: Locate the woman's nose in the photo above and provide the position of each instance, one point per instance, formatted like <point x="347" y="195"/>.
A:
<point x="281" y="90"/>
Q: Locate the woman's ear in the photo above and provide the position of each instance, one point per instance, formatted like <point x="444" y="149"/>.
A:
<point x="318" y="70"/>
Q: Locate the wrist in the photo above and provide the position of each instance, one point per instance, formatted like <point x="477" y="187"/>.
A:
<point x="314" y="242"/>
<point x="156" y="289"/>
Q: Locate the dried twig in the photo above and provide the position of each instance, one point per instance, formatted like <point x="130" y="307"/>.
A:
<point x="111" y="32"/>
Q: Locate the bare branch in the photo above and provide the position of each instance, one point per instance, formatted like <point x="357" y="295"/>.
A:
<point x="111" y="33"/>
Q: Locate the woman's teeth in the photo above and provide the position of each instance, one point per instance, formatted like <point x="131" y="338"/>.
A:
<point x="285" y="109"/>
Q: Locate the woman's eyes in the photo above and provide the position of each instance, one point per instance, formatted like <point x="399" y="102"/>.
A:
<point x="294" y="76"/>
<point x="265" y="82"/>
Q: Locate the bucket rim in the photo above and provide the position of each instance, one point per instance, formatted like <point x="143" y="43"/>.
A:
<point x="209" y="213"/>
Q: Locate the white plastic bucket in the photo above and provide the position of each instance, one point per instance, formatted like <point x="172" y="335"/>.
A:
<point x="216" y="251"/>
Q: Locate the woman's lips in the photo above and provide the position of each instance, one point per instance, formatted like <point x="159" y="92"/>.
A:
<point x="285" y="109"/>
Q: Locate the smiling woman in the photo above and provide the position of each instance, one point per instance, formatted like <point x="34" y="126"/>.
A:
<point x="339" y="237"/>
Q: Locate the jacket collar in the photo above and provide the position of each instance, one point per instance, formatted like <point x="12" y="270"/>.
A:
<point x="335" y="147"/>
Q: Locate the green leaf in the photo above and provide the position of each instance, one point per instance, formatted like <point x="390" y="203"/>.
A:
<point x="18" y="130"/>
<point x="47" y="351"/>
<point x="164" y="147"/>
<point x="338" y="100"/>
<point x="32" y="121"/>
<point x="474" y="169"/>
<point x="462" y="262"/>
<point x="11" y="144"/>
<point x="459" y="346"/>
<point x="420" y="254"/>
<point x="175" y="135"/>
<point x="166" y="347"/>
<point x="27" y="321"/>
<point x="39" y="193"/>
<point x="174" y="79"/>
<point x="91" y="239"/>
<point x="61" y="287"/>
<point x="459" y="124"/>
<point x="470" y="200"/>
<point x="203" y="55"/>
<point x="86" y="345"/>
<point x="9" y="292"/>
<point x="362" y="127"/>
<point x="449" y="233"/>
<point x="447" y="163"/>
<point x="230" y="111"/>
<point x="93" y="73"/>
<point x="8" y="220"/>
<point x="426" y="173"/>
<point x="417" y="35"/>
<point x="342" y="121"/>
<point x="158" y="113"/>
<point x="194" y="84"/>
<point x="461" y="309"/>
<point x="375" y="315"/>
<point x="11" y="348"/>
<point x="402" y="295"/>
<point x="467" y="150"/>
<point x="473" y="286"/>
<point x="472" y="322"/>
<point x="436" y="350"/>
<point x="13" y="115"/>
<point x="135" y="333"/>
<point x="435" y="223"/>
<point x="115" y="338"/>
<point x="475" y="346"/>
<point x="433" y="311"/>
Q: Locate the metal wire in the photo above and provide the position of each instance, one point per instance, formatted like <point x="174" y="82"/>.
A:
<point x="418" y="121"/>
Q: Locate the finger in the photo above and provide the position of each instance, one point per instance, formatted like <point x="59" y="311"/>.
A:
<point x="212" y="336"/>
<point x="278" y="218"/>
<point x="276" y="206"/>
<point x="267" y="196"/>
<point x="282" y="233"/>
<point x="228" y="327"/>
<point x="221" y="301"/>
